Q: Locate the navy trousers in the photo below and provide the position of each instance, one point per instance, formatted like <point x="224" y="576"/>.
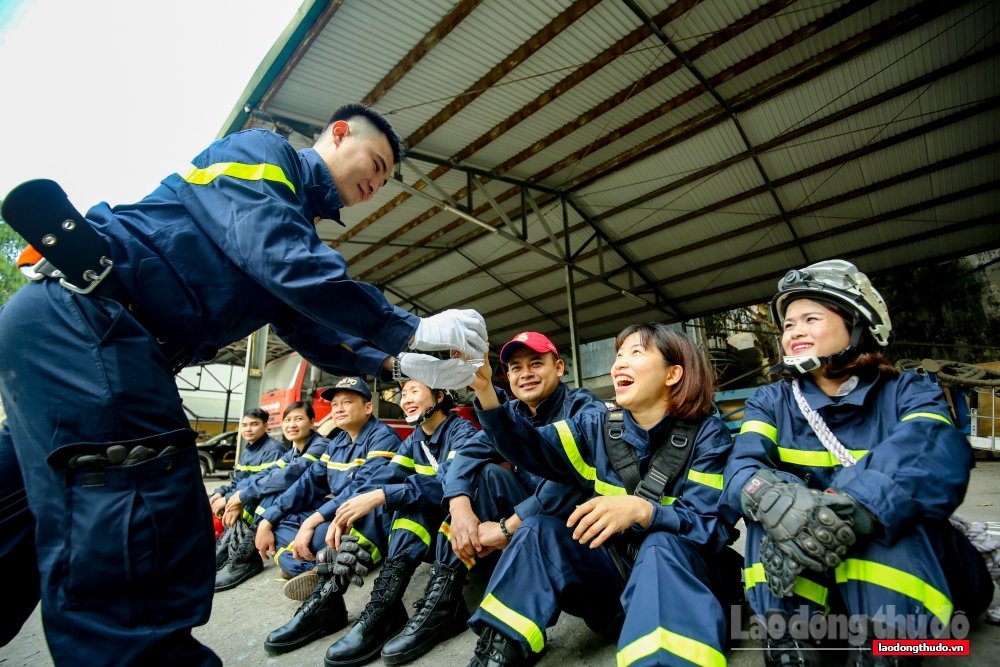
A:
<point x="671" y="615"/>
<point x="17" y="546"/>
<point x="901" y="584"/>
<point x="125" y="553"/>
<point x="372" y="530"/>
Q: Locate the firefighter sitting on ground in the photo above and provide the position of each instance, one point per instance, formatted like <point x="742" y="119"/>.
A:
<point x="653" y="555"/>
<point x="259" y="452"/>
<point x="847" y="472"/>
<point x="298" y="519"/>
<point x="259" y="491"/>
<point x="410" y="487"/>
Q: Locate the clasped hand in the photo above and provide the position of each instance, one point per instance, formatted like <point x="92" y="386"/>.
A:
<point x="599" y="518"/>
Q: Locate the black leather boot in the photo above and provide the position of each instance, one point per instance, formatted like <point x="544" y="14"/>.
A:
<point x="495" y="650"/>
<point x="323" y="613"/>
<point x="441" y="614"/>
<point x="244" y="562"/>
<point x="383" y="617"/>
<point x="222" y="548"/>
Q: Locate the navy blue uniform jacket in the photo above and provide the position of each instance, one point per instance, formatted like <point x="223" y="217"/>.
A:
<point x="548" y="498"/>
<point x="254" y="457"/>
<point x="912" y="463"/>
<point x="227" y="245"/>
<point x="573" y="452"/>
<point x="284" y="473"/>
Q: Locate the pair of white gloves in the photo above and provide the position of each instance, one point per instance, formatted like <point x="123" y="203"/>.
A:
<point x="461" y="330"/>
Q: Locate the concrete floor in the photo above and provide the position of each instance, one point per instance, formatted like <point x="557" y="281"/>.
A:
<point x="242" y="617"/>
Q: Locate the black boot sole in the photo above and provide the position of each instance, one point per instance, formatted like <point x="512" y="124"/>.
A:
<point x="375" y="653"/>
<point x="288" y="647"/>
<point x="233" y="584"/>
<point x="443" y="634"/>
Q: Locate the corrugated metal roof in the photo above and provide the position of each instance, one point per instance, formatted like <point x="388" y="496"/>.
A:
<point x="896" y="163"/>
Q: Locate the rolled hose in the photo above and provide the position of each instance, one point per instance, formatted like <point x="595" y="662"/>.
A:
<point x="953" y="373"/>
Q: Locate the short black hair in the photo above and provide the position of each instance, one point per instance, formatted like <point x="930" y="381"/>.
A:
<point x="299" y="405"/>
<point x="356" y="109"/>
<point x="258" y="413"/>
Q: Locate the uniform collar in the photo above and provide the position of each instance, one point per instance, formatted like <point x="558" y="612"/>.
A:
<point x="640" y="437"/>
<point x="258" y="442"/>
<point x="817" y="399"/>
<point x="366" y="429"/>
<point x="320" y="191"/>
<point x="546" y="409"/>
<point x="438" y="433"/>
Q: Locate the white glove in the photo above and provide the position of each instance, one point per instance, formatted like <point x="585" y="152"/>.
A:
<point x="437" y="373"/>
<point x="462" y="330"/>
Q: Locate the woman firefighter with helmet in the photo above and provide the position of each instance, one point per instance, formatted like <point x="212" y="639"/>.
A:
<point x="847" y="472"/>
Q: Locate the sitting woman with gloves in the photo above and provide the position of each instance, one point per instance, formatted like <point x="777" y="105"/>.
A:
<point x="847" y="472"/>
<point x="644" y="550"/>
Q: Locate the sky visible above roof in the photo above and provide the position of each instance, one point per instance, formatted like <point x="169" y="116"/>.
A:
<point x="107" y="98"/>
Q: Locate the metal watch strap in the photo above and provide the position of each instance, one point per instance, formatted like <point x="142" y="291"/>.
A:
<point x="397" y="374"/>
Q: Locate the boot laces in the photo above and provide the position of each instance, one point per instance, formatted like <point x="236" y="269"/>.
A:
<point x="380" y="591"/>
<point x="784" y="652"/>
<point x="482" y="651"/>
<point x="432" y="594"/>
<point x="319" y="595"/>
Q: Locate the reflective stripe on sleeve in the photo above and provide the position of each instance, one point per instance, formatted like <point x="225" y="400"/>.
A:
<point x="823" y="459"/>
<point x="244" y="172"/>
<point x="260" y="510"/>
<point x="451" y="454"/>
<point x="707" y="478"/>
<point x="407" y="462"/>
<point x="901" y="582"/>
<point x="588" y="472"/>
<point x="413" y="527"/>
<point x="310" y="457"/>
<point x="376" y="554"/>
<point x="926" y="415"/>
<point x="375" y="453"/>
<point x="520" y="624"/>
<point x="762" y="428"/>
<point x="661" y="639"/>
<point x="262" y="466"/>
<point x="334" y="465"/>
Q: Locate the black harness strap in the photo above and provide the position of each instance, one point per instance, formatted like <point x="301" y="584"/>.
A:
<point x="669" y="461"/>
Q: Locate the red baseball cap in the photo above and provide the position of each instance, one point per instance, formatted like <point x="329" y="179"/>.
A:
<point x="536" y="341"/>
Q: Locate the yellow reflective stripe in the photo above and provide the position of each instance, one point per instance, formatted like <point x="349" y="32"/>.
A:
<point x="386" y="455"/>
<point x="324" y="458"/>
<point x="407" y="462"/>
<point x="248" y="517"/>
<point x="926" y="415"/>
<point x="763" y="428"/>
<point x="244" y="172"/>
<point x="344" y="466"/>
<point x="667" y="500"/>
<point x="586" y="471"/>
<point x="413" y="527"/>
<point x="451" y="455"/>
<point x="707" y="478"/>
<point x="823" y="459"/>
<point x="282" y="550"/>
<point x="445" y="530"/>
<point x="258" y="468"/>
<point x="905" y="583"/>
<point x="281" y="463"/>
<point x="260" y="510"/>
<point x="310" y="457"/>
<point x="804" y="588"/>
<point x="513" y="620"/>
<point x="691" y="650"/>
<point x="376" y="554"/>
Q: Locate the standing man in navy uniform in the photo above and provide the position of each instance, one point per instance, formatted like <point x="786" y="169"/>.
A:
<point x="221" y="248"/>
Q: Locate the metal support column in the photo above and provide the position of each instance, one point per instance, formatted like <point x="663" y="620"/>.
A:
<point x="574" y="339"/>
<point x="253" y="377"/>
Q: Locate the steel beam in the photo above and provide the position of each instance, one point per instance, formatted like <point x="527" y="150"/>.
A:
<point x="574" y="339"/>
<point x="512" y="291"/>
<point x="432" y="183"/>
<point x="253" y="374"/>
<point x="496" y="207"/>
<point x="442" y="29"/>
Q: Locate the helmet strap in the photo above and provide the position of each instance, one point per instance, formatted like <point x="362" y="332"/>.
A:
<point x="805" y="363"/>
<point x="421" y="418"/>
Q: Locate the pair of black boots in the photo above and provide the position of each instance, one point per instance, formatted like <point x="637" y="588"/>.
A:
<point x="383" y="629"/>
<point x="787" y="651"/>
<point x="236" y="557"/>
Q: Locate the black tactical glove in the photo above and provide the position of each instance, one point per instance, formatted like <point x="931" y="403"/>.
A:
<point x="805" y="524"/>
<point x="781" y="570"/>
<point x="117" y="455"/>
<point x="353" y="562"/>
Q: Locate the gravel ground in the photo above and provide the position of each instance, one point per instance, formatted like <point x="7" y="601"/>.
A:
<point x="242" y="617"/>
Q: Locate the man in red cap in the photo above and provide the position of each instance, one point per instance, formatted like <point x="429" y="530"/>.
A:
<point x="488" y="502"/>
